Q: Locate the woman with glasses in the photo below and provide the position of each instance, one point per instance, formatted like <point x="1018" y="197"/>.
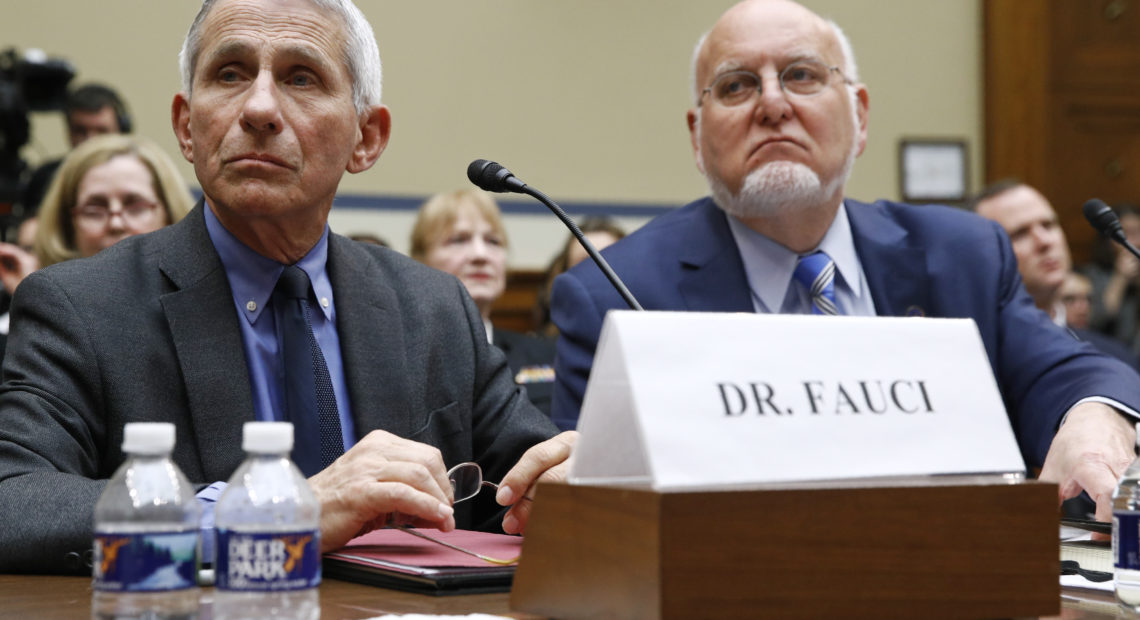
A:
<point x="107" y="189"/>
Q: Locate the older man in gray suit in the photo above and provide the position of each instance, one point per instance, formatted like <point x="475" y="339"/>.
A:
<point x="279" y="99"/>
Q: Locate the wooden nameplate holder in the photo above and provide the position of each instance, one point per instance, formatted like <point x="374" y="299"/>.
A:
<point x="975" y="546"/>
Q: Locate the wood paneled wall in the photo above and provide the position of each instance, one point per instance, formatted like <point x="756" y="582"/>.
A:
<point x="1062" y="102"/>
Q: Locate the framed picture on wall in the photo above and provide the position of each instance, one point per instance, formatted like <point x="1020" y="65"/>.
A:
<point x="933" y="170"/>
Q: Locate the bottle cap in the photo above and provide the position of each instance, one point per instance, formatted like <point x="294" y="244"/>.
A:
<point x="267" y="437"/>
<point x="148" y="438"/>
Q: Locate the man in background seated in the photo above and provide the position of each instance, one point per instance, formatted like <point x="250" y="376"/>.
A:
<point x="91" y="110"/>
<point x="1042" y="253"/>
<point x="778" y="118"/>
<point x="197" y="324"/>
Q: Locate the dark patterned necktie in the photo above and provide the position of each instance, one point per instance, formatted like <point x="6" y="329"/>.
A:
<point x="816" y="272"/>
<point x="310" y="402"/>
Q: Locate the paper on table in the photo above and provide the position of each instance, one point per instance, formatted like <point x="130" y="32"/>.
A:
<point x="1076" y="581"/>
<point x="1071" y="539"/>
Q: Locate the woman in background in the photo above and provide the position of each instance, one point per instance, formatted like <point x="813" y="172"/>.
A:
<point x="462" y="233"/>
<point x="107" y="189"/>
<point x="602" y="232"/>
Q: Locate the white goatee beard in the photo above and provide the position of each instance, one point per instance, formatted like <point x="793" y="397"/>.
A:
<point x="777" y="187"/>
<point x="774" y="188"/>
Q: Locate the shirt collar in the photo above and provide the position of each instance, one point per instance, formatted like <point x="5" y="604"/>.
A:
<point x="252" y="276"/>
<point x="769" y="265"/>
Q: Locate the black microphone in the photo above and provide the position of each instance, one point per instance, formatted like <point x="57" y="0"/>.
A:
<point x="1104" y="220"/>
<point x="492" y="177"/>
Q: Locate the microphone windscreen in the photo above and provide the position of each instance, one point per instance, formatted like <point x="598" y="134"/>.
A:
<point x="490" y="176"/>
<point x="1101" y="216"/>
<point x="475" y="171"/>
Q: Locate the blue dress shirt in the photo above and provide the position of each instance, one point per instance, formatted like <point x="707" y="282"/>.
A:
<point x="252" y="278"/>
<point x="769" y="267"/>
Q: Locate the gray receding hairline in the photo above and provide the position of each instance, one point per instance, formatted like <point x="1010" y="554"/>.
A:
<point x="850" y="68"/>
<point x="360" y="54"/>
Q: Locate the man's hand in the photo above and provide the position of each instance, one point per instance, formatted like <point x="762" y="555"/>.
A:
<point x="15" y="265"/>
<point x="1091" y="451"/>
<point x="382" y="479"/>
<point x="545" y="461"/>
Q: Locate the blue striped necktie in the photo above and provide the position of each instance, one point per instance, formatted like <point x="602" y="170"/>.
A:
<point x="310" y="402"/>
<point x="816" y="272"/>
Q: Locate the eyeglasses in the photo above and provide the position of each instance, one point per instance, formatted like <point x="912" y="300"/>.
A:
<point x="135" y="210"/>
<point x="466" y="482"/>
<point x="802" y="78"/>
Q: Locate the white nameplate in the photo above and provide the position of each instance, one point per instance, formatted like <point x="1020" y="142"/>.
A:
<point x="695" y="400"/>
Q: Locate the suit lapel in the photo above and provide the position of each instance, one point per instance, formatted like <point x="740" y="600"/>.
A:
<point x="896" y="272"/>
<point x="712" y="273"/>
<point x="371" y="342"/>
<point x="207" y="340"/>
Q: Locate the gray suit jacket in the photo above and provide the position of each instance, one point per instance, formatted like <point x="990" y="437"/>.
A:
<point x="147" y="331"/>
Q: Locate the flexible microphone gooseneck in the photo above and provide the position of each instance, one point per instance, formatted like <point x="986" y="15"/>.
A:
<point x="492" y="177"/>
<point x="1104" y="220"/>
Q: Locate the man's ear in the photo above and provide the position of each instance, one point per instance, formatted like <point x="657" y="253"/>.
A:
<point x="693" y="118"/>
<point x="180" y="120"/>
<point x="375" y="129"/>
<point x="862" y="107"/>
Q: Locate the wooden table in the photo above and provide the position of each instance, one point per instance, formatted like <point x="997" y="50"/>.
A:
<point x="51" y="598"/>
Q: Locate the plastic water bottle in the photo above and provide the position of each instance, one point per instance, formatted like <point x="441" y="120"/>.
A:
<point x="268" y="533"/>
<point x="1126" y="535"/>
<point x="146" y="533"/>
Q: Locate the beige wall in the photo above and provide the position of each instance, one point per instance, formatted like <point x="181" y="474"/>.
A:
<point x="585" y="99"/>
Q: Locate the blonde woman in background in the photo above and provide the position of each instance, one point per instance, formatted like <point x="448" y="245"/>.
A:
<point x="462" y="233"/>
<point x="107" y="189"/>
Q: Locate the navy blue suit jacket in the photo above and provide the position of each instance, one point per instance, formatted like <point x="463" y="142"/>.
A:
<point x="931" y="261"/>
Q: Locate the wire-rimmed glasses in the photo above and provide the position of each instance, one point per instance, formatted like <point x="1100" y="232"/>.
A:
<point x="802" y="78"/>
<point x="466" y="482"/>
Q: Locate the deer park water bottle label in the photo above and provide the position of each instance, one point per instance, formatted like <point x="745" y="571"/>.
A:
<point x="268" y="561"/>
<point x="1126" y="540"/>
<point x="146" y="562"/>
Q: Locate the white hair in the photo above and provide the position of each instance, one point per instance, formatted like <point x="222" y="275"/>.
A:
<point x="360" y="53"/>
<point x="693" y="85"/>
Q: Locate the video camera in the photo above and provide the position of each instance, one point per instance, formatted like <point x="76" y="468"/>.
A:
<point x="32" y="82"/>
